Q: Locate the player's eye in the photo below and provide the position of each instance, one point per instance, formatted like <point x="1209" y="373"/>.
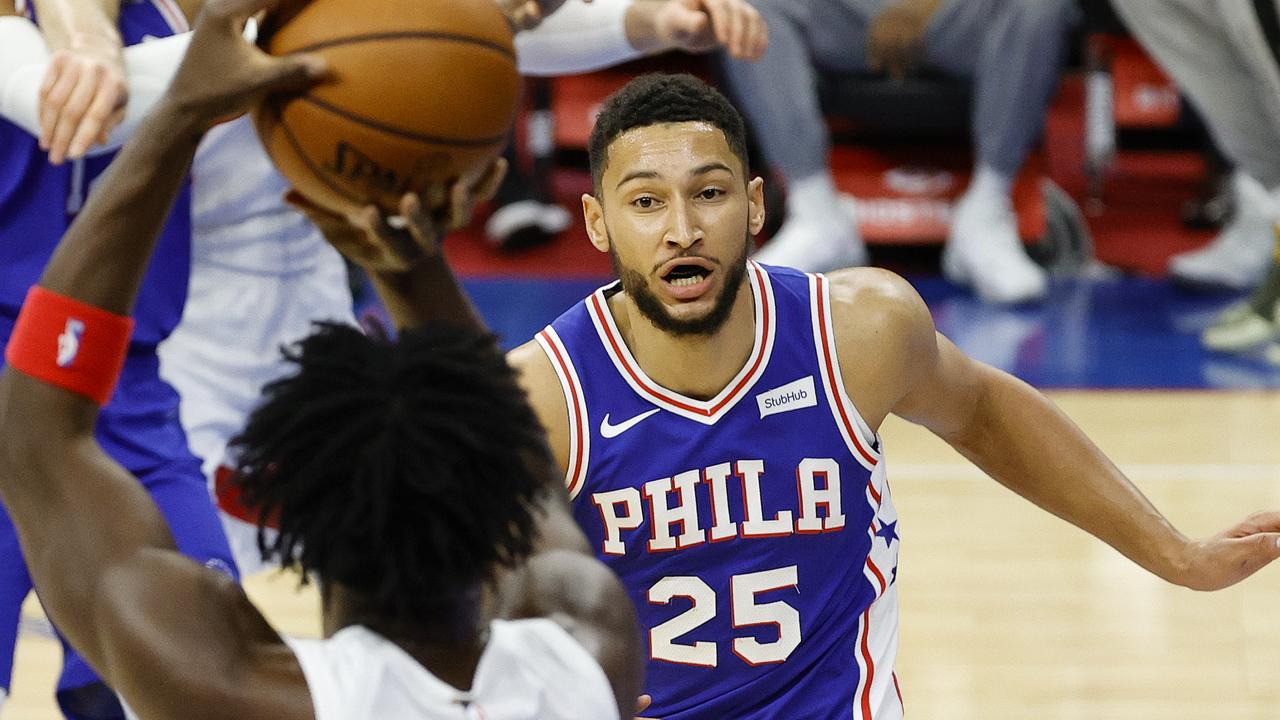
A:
<point x="711" y="193"/>
<point x="645" y="202"/>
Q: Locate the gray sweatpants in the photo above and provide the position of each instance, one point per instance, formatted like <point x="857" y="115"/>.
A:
<point x="1012" y="50"/>
<point x="1217" y="53"/>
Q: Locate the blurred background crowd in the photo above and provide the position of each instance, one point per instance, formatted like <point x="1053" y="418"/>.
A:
<point x="1014" y="158"/>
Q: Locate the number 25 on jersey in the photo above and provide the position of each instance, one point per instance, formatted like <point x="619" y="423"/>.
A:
<point x="746" y="612"/>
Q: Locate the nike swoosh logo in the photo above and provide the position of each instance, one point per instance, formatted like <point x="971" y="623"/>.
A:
<point x="612" y="431"/>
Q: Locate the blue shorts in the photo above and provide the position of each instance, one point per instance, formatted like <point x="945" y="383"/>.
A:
<point x="139" y="428"/>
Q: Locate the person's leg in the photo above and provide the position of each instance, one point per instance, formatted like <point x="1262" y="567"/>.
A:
<point x="1013" y="51"/>
<point x="778" y="95"/>
<point x="1220" y="62"/>
<point x="15" y="585"/>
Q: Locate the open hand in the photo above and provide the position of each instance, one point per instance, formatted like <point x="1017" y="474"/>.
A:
<point x="383" y="244"/>
<point x="82" y="98"/>
<point x="1232" y="555"/>
<point x="222" y="74"/>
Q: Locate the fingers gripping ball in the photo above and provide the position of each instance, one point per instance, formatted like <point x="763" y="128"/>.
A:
<point x="422" y="91"/>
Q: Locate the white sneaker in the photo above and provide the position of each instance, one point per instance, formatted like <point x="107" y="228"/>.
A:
<point x="1241" y="254"/>
<point x="817" y="244"/>
<point x="548" y="219"/>
<point x="1239" y="328"/>
<point x="984" y="252"/>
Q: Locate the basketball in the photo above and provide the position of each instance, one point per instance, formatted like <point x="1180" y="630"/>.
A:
<point x="421" y="91"/>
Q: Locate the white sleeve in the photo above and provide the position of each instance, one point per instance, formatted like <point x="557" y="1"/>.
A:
<point x="577" y="38"/>
<point x="24" y="58"/>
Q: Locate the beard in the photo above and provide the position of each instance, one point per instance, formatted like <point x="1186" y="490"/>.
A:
<point x="633" y="282"/>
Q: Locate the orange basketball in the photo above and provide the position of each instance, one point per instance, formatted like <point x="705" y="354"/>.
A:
<point x="422" y="90"/>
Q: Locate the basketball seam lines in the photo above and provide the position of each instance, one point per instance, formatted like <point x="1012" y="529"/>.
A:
<point x="418" y="137"/>
<point x="316" y="171"/>
<point x="405" y="34"/>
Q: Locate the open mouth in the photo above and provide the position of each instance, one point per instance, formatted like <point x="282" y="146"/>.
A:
<point x="685" y="275"/>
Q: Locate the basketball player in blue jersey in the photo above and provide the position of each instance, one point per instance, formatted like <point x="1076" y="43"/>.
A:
<point x="718" y="424"/>
<point x="139" y="428"/>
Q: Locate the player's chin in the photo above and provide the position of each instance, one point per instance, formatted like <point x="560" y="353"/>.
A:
<point x="691" y="312"/>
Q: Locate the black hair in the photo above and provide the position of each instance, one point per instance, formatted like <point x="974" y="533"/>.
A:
<point x="406" y="470"/>
<point x="658" y="98"/>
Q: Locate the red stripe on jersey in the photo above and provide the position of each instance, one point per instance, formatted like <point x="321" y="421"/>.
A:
<point x="874" y="495"/>
<point x="879" y="575"/>
<point x="849" y="426"/>
<point x="871" y="666"/>
<point x="575" y="467"/>
<point x="898" y="689"/>
<point x="172" y="15"/>
<point x="615" y="348"/>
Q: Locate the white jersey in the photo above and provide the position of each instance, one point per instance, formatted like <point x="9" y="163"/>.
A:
<point x="261" y="274"/>
<point x="530" y="670"/>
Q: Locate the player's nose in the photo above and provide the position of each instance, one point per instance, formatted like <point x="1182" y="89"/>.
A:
<point x="684" y="229"/>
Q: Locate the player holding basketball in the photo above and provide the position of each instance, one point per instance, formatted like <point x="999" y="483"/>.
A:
<point x="717" y="422"/>
<point x="404" y="475"/>
<point x="260" y="273"/>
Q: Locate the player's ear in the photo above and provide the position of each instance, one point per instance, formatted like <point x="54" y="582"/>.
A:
<point x="593" y="213"/>
<point x="755" y="205"/>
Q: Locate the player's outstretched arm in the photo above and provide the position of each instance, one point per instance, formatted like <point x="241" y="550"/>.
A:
<point x="100" y="554"/>
<point x="1017" y="436"/>
<point x="582" y="37"/>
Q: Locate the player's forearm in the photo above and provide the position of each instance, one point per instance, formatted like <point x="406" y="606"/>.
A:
<point x="77" y="513"/>
<point x="582" y="37"/>
<point x="103" y="256"/>
<point x="1029" y="445"/>
<point x="71" y="24"/>
<point x="428" y="292"/>
<point x="100" y="261"/>
<point x="25" y="60"/>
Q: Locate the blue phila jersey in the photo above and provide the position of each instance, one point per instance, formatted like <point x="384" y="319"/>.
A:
<point x="754" y="531"/>
<point x="38" y="202"/>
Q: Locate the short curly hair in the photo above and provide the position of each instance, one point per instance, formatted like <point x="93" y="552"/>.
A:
<point x="659" y="98"/>
<point x="406" y="470"/>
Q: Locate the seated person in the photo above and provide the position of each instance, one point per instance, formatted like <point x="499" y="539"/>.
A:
<point x="1012" y="49"/>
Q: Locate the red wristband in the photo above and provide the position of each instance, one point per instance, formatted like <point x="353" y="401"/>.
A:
<point x="70" y="344"/>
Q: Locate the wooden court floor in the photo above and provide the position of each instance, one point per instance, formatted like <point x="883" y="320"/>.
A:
<point x="1010" y="613"/>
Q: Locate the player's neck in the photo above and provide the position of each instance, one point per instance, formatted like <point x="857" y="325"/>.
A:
<point x="697" y="366"/>
<point x="448" y="644"/>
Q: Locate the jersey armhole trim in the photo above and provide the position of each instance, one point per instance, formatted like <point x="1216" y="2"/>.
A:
<point x="863" y="444"/>
<point x="576" y="403"/>
<point x="172" y="15"/>
<point x="308" y="655"/>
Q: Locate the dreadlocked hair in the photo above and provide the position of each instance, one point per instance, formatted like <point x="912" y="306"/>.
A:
<point x="406" y="470"/>
<point x="658" y="99"/>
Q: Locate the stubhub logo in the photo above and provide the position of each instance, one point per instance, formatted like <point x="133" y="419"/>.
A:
<point x="792" y="396"/>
